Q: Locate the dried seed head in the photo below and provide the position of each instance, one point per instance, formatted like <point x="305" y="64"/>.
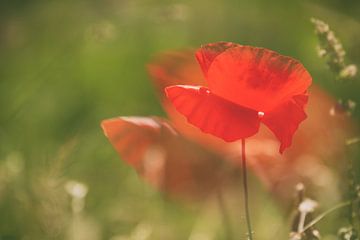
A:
<point x="76" y="189"/>
<point x="315" y="234"/>
<point x="320" y="26"/>
<point x="308" y="205"/>
<point x="348" y="233"/>
<point x="348" y="71"/>
<point x="321" y="51"/>
<point x="343" y="107"/>
<point x="296" y="236"/>
<point x="332" y="50"/>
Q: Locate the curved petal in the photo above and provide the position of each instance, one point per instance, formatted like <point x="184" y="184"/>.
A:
<point x="256" y="78"/>
<point x="174" y="67"/>
<point x="284" y="120"/>
<point x="180" y="67"/>
<point x="206" y="54"/>
<point x="156" y="152"/>
<point x="141" y="132"/>
<point x="213" y="114"/>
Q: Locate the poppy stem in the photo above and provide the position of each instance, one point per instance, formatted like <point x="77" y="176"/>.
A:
<point x="245" y="185"/>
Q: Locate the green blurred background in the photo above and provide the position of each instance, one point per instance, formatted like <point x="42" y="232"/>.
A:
<point x="66" y="65"/>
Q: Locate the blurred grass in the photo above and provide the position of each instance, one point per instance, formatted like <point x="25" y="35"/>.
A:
<point x="66" y="65"/>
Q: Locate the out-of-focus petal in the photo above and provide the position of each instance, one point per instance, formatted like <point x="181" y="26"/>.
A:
<point x="139" y="132"/>
<point x="207" y="53"/>
<point x="284" y="120"/>
<point x="175" y="68"/>
<point x="256" y="78"/>
<point x="156" y="151"/>
<point x="315" y="158"/>
<point x="213" y="114"/>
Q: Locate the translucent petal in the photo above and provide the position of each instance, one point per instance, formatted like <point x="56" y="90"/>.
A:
<point x="256" y="78"/>
<point x="213" y="114"/>
<point x="284" y="120"/>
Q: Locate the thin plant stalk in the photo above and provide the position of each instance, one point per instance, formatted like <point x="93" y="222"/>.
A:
<point x="302" y="221"/>
<point x="245" y="188"/>
<point x="324" y="214"/>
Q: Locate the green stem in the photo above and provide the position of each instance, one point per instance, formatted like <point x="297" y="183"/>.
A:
<point x="324" y="214"/>
<point x="246" y="194"/>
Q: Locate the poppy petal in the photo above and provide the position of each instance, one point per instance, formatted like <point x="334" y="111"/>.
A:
<point x="256" y="78"/>
<point x="174" y="67"/>
<point x="156" y="152"/>
<point x="213" y="114"/>
<point x="180" y="67"/>
<point x="206" y="54"/>
<point x="134" y="131"/>
<point x="284" y="120"/>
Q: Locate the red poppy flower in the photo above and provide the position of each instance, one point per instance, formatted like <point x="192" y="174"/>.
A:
<point x="246" y="86"/>
<point x="154" y="147"/>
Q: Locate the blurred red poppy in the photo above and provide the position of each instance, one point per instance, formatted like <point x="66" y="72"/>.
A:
<point x="246" y="86"/>
<point x="164" y="158"/>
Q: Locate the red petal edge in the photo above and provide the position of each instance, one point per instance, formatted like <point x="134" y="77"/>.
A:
<point x="213" y="114"/>
<point x="284" y="120"/>
<point x="152" y="147"/>
<point x="132" y="136"/>
<point x="173" y="68"/>
<point x="207" y="53"/>
<point x="252" y="77"/>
